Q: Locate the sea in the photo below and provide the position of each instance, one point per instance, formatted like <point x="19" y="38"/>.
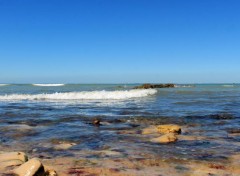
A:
<point x="34" y="117"/>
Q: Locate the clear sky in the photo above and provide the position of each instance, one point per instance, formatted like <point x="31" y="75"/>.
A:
<point x="119" y="41"/>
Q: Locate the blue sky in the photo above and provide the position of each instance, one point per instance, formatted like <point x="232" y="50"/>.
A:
<point x="119" y="41"/>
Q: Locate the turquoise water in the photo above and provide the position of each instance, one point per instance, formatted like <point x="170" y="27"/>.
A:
<point x="35" y="115"/>
<point x="198" y="99"/>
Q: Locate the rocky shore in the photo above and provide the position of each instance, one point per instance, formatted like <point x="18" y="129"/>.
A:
<point x="154" y="86"/>
<point x="129" y="159"/>
<point x="17" y="163"/>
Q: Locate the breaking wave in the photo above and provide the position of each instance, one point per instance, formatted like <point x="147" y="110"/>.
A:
<point x="228" y="85"/>
<point x="48" y="85"/>
<point x="84" y="95"/>
<point x="4" y="84"/>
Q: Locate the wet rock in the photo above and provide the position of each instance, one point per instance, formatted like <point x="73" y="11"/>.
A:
<point x="164" y="129"/>
<point x="150" y="130"/>
<point x="64" y="146"/>
<point x="110" y="153"/>
<point x="223" y="116"/>
<point x="170" y="128"/>
<point x="13" y="156"/>
<point x="233" y="131"/>
<point x="153" y="86"/>
<point x="50" y="173"/>
<point x="96" y="122"/>
<point x="167" y="138"/>
<point x="31" y="168"/>
<point x="190" y="138"/>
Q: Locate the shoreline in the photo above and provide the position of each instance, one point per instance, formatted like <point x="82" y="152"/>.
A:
<point x="135" y="154"/>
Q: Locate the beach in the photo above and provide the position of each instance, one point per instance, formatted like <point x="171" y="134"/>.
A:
<point x="116" y="130"/>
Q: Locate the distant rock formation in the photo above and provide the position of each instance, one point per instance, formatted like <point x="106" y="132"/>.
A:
<point x="152" y="86"/>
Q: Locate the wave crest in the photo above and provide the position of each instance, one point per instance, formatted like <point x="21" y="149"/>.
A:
<point x="227" y="85"/>
<point x="4" y="84"/>
<point x="85" y="95"/>
<point x="48" y="85"/>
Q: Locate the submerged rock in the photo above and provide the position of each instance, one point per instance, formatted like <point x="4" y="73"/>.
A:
<point x="164" y="129"/>
<point x="110" y="153"/>
<point x="166" y="138"/>
<point x="170" y="128"/>
<point x="150" y="130"/>
<point x="190" y="138"/>
<point x="97" y="122"/>
<point x="234" y="131"/>
<point x="31" y="168"/>
<point x="153" y="86"/>
<point x="64" y="146"/>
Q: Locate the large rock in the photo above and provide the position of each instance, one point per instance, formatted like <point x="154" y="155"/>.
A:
<point x="166" y="138"/>
<point x="31" y="168"/>
<point x="170" y="128"/>
<point x="13" y="156"/>
<point x="10" y="163"/>
<point x="150" y="130"/>
<point x="153" y="86"/>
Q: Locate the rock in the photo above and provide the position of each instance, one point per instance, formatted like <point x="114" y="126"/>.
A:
<point x="167" y="138"/>
<point x="31" y="168"/>
<point x="96" y="122"/>
<point x="13" y="156"/>
<point x="150" y="130"/>
<point x="234" y="131"/>
<point x="64" y="146"/>
<point x="110" y="153"/>
<point x="50" y="173"/>
<point x="222" y="116"/>
<point x="191" y="138"/>
<point x="170" y="128"/>
<point x="153" y="86"/>
<point x="10" y="163"/>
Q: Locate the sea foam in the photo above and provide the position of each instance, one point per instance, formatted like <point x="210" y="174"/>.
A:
<point x="228" y="85"/>
<point x="84" y="95"/>
<point x="3" y="84"/>
<point x="48" y="85"/>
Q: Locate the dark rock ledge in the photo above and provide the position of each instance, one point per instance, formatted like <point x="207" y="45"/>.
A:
<point x="153" y="86"/>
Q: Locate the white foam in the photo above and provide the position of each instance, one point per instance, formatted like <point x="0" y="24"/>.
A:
<point x="85" y="95"/>
<point x="3" y="84"/>
<point x="228" y="85"/>
<point x="48" y="85"/>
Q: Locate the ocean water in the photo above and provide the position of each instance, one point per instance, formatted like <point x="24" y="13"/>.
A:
<point x="32" y="116"/>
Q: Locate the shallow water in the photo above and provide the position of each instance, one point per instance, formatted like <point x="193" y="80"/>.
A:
<point x="35" y="125"/>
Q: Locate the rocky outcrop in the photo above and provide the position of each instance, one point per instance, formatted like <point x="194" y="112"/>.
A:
<point x="169" y="133"/>
<point x="153" y="86"/>
<point x="166" y="138"/>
